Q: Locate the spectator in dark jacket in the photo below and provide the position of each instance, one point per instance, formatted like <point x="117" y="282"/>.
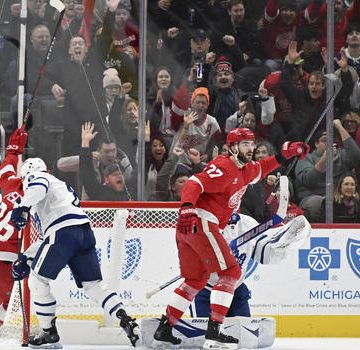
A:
<point x="310" y="172"/>
<point x="346" y="207"/>
<point x="113" y="188"/>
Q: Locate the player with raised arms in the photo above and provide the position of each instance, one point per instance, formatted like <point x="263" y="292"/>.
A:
<point x="68" y="240"/>
<point x="207" y="202"/>
<point x="12" y="190"/>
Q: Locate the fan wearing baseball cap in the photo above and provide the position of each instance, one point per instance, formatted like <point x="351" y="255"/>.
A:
<point x="225" y="96"/>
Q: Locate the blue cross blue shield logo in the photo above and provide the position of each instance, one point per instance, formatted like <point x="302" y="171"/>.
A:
<point x="353" y="255"/>
<point x="319" y="258"/>
<point x="133" y="253"/>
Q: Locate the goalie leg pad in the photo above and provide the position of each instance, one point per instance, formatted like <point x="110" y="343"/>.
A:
<point x="44" y="301"/>
<point x="255" y="332"/>
<point x="109" y="300"/>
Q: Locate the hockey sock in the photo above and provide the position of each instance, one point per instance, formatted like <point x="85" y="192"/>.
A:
<point x="182" y="298"/>
<point x="108" y="300"/>
<point x="222" y="294"/>
<point x="44" y="301"/>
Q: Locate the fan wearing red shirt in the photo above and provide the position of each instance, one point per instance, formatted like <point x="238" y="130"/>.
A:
<point x="11" y="188"/>
<point x="207" y="202"/>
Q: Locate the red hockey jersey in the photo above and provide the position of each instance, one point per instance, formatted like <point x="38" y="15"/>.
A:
<point x="217" y="191"/>
<point x="11" y="187"/>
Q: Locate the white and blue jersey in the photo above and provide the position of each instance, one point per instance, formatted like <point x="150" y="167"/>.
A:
<point x="55" y="203"/>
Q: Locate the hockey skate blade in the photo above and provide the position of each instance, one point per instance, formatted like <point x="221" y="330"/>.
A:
<point x="46" y="346"/>
<point x="138" y="343"/>
<point x="157" y="344"/>
<point x="215" y="345"/>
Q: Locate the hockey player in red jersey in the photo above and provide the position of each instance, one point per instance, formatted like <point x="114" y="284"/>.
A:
<point x="207" y="202"/>
<point x="11" y="188"/>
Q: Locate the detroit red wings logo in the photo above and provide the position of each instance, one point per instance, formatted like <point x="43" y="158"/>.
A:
<point x="235" y="199"/>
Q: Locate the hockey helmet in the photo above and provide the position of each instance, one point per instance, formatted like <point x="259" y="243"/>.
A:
<point x="238" y="135"/>
<point x="32" y="164"/>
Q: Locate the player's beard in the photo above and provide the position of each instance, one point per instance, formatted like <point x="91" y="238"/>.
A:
<point x="242" y="158"/>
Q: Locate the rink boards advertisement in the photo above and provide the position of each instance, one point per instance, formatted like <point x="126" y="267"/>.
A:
<point x="320" y="279"/>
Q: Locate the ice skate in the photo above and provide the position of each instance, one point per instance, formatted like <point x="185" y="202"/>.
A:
<point x="214" y="339"/>
<point x="130" y="327"/>
<point x="46" y="339"/>
<point x="163" y="334"/>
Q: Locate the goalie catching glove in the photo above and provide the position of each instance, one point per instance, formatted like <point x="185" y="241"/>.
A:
<point x="187" y="219"/>
<point x="295" y="149"/>
<point x="20" y="217"/>
<point x="17" y="142"/>
<point x="20" y="268"/>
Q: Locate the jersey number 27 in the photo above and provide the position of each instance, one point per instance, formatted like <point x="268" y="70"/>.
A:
<point x="213" y="171"/>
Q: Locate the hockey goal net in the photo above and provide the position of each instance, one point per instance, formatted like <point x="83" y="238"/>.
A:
<point x="136" y="250"/>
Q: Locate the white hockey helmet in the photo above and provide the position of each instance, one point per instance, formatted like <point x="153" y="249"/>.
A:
<point x="32" y="164"/>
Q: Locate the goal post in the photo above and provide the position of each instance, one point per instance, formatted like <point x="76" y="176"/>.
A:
<point x="137" y="251"/>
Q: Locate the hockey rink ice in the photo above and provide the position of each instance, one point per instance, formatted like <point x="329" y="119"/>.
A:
<point x="280" y="344"/>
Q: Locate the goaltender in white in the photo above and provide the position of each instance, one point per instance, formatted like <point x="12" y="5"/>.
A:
<point x="68" y="240"/>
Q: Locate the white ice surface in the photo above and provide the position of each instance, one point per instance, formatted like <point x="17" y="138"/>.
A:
<point x="280" y="344"/>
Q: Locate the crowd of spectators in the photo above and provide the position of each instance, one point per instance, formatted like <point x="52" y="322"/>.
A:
<point x="212" y="65"/>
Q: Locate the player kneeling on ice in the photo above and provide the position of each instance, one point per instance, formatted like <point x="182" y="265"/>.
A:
<point x="207" y="202"/>
<point x="68" y="240"/>
<point x="271" y="247"/>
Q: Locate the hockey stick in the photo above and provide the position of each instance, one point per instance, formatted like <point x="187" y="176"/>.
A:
<point x="22" y="306"/>
<point x="264" y="226"/>
<point x="59" y="6"/>
<point x="250" y="234"/>
<point x="163" y="286"/>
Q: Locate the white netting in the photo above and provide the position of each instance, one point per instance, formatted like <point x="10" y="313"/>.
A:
<point x="115" y="229"/>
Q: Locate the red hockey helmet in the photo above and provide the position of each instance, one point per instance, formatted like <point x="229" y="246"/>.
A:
<point x="238" y="135"/>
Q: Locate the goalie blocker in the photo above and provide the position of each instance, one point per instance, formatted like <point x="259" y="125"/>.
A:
<point x="252" y="332"/>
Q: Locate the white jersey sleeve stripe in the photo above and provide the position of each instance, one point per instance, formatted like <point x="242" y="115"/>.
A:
<point x="7" y="168"/>
<point x="194" y="178"/>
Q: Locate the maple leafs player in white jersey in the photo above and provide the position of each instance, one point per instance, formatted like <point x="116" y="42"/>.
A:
<point x="68" y="240"/>
<point x="207" y="202"/>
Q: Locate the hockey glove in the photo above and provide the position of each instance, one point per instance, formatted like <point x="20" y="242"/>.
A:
<point x="20" y="217"/>
<point x="17" y="142"/>
<point x="20" y="268"/>
<point x="187" y="219"/>
<point x="294" y="149"/>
